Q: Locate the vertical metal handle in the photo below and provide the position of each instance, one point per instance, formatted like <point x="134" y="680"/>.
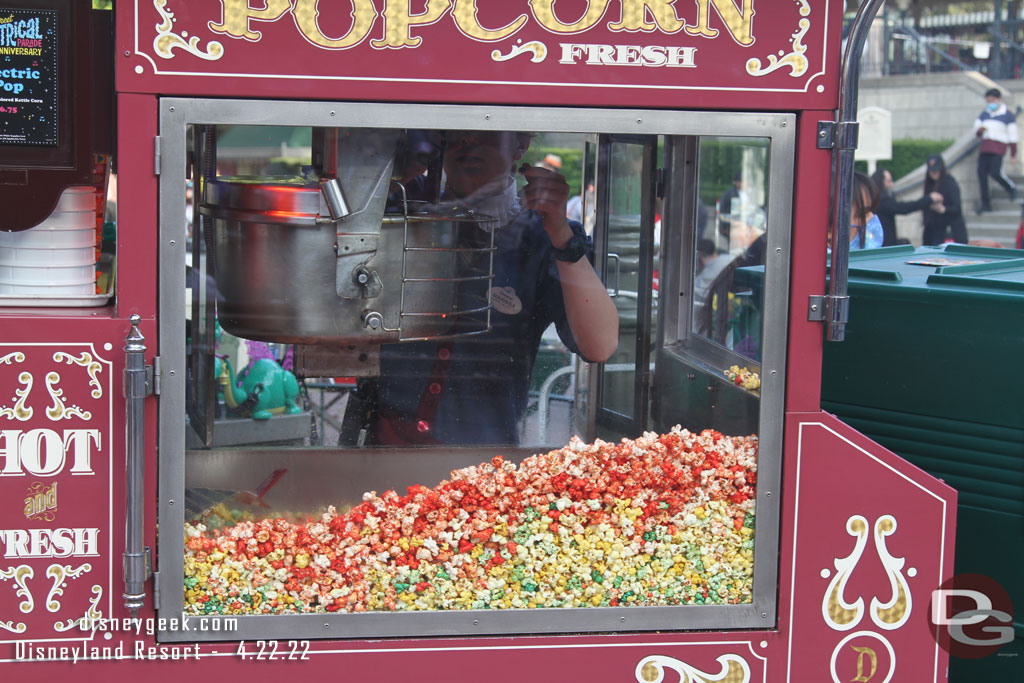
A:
<point x="137" y="385"/>
<point x="837" y="302"/>
<point x="615" y="292"/>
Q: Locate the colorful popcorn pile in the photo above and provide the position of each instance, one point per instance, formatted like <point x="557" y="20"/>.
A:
<point x="743" y="377"/>
<point x="660" y="520"/>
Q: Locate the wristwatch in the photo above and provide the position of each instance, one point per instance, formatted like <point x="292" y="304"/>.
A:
<point x="574" y="249"/>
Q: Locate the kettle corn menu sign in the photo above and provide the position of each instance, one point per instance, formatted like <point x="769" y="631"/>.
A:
<point x="666" y="52"/>
<point x="28" y="77"/>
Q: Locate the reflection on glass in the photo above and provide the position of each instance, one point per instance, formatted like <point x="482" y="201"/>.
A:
<point x="733" y="177"/>
<point x="443" y="249"/>
<point x="625" y="224"/>
<point x="410" y="322"/>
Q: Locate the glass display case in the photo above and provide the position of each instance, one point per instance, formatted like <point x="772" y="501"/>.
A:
<point x="470" y="369"/>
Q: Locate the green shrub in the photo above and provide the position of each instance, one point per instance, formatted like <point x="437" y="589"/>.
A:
<point x="907" y="154"/>
<point x="720" y="159"/>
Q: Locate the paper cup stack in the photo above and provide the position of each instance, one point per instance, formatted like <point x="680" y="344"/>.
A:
<point x="56" y="257"/>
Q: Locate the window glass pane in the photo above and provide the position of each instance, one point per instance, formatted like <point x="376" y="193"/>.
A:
<point x="365" y="300"/>
<point x="733" y="178"/>
<point x="625" y="224"/>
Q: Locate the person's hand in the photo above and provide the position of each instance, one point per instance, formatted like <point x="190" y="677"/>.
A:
<point x="546" y="192"/>
<point x="981" y="131"/>
<point x="936" y="197"/>
<point x="938" y="207"/>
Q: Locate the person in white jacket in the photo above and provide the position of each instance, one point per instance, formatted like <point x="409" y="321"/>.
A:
<point x="997" y="128"/>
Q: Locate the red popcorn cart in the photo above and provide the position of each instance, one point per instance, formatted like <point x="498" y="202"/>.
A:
<point x="540" y="464"/>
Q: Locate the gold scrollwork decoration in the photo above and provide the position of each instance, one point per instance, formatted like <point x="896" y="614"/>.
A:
<point x="838" y="613"/>
<point x="12" y="358"/>
<point x="91" y="365"/>
<point x="92" y="615"/>
<point x="538" y="49"/>
<point x="795" y="59"/>
<point x="20" y="411"/>
<point x="59" y="410"/>
<point x="651" y="669"/>
<point x="895" y="612"/>
<point x="9" y="625"/>
<point x="60" y="574"/>
<point x="21" y="574"/>
<point x="166" y="41"/>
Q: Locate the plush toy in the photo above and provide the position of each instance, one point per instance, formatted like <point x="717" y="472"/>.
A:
<point x="263" y="389"/>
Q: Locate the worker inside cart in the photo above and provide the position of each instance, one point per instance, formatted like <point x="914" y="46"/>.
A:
<point x="474" y="389"/>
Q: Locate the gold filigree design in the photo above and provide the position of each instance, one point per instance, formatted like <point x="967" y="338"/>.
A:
<point x="894" y="613"/>
<point x="20" y="411"/>
<point x="12" y="358"/>
<point x="92" y="615"/>
<point x="651" y="669"/>
<point x="21" y="574"/>
<point x="838" y="613"/>
<point x="91" y="365"/>
<point x="59" y="410"/>
<point x="60" y="573"/>
<point x="166" y="41"/>
<point x="795" y="59"/>
<point x="538" y="49"/>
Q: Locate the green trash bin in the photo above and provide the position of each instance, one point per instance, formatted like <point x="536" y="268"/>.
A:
<point x="931" y="369"/>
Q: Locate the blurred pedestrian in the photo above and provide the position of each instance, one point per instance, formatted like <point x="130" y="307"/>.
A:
<point x="865" y="227"/>
<point x="997" y="128"/>
<point x="551" y="162"/>
<point x="943" y="222"/>
<point x="889" y="207"/>
<point x="730" y="208"/>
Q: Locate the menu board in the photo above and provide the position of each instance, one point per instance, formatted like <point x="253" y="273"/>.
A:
<point x="28" y="77"/>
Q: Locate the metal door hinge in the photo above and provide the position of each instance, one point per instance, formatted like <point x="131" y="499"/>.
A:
<point x="830" y="309"/>
<point x="842" y="135"/>
<point x="140" y="383"/>
<point x="156" y="155"/>
<point x="153" y="373"/>
<point x="659" y="183"/>
<point x="156" y="591"/>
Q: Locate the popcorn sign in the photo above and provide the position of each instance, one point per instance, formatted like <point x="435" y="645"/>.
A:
<point x="28" y="77"/>
<point x="55" y="488"/>
<point x="664" y="51"/>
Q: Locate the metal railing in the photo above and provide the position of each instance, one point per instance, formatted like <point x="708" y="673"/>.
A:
<point x="984" y="45"/>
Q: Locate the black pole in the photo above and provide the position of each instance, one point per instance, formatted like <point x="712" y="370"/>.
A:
<point x="996" y="63"/>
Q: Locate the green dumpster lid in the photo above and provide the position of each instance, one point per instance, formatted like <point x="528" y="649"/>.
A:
<point x="948" y="265"/>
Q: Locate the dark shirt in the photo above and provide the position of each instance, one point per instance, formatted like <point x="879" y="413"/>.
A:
<point x="482" y="391"/>
<point x="938" y="227"/>
<point x="887" y="210"/>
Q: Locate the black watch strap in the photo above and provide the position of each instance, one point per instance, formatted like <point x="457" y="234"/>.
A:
<point x="574" y="250"/>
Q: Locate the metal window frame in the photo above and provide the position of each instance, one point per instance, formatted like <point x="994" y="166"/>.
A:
<point x="176" y="114"/>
